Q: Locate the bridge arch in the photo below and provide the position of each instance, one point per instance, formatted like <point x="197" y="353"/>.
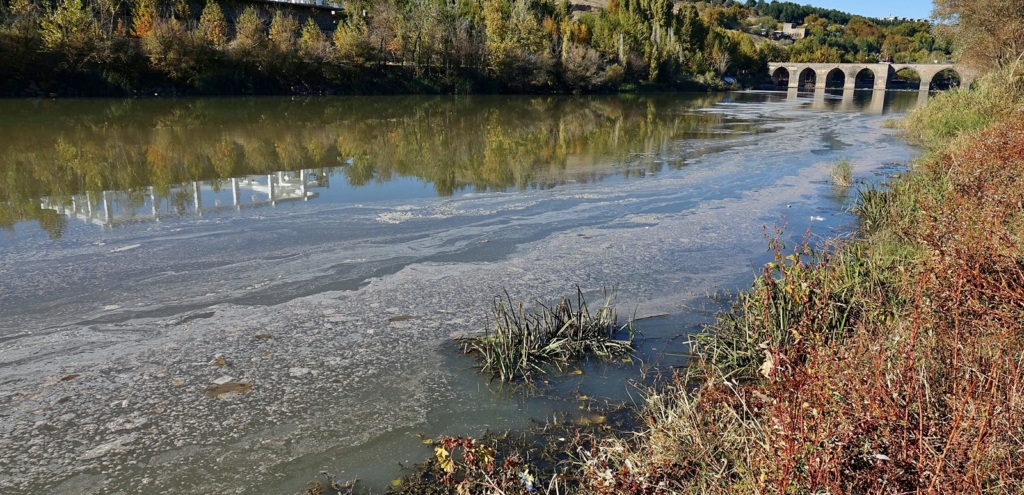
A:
<point x="945" y="79"/>
<point x="835" y="78"/>
<point x="864" y="79"/>
<point x="780" y="76"/>
<point x="907" y="77"/>
<point x="807" y="77"/>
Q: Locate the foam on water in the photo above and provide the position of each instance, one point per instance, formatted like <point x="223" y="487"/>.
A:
<point x="359" y="301"/>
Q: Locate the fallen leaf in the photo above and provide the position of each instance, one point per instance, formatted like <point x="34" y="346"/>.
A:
<point x="227" y="388"/>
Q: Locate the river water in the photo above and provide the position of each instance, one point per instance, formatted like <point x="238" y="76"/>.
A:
<point x="325" y="250"/>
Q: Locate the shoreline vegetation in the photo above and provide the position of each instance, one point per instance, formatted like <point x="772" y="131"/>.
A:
<point x="889" y="363"/>
<point x="51" y="48"/>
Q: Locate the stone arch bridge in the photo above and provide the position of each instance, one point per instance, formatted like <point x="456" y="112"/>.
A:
<point x="857" y="76"/>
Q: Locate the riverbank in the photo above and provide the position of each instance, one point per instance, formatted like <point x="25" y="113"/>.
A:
<point x="661" y="196"/>
<point x="891" y="362"/>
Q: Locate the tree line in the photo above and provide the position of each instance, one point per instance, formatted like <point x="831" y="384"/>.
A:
<point x="95" y="47"/>
<point x="865" y="40"/>
<point x="114" y="46"/>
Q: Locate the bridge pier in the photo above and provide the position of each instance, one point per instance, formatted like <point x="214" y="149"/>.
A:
<point x="922" y="96"/>
<point x="820" y="79"/>
<point x="850" y="83"/>
<point x="794" y="77"/>
<point x="882" y="78"/>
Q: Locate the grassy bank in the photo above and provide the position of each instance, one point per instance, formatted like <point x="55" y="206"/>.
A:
<point x="892" y="364"/>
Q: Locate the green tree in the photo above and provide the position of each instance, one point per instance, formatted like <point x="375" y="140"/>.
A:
<point x="769" y="51"/>
<point x="352" y="45"/>
<point x="314" y="47"/>
<point x="70" y="30"/>
<point x="517" y="46"/>
<point x="212" y="24"/>
<point x="143" y="16"/>
<point x="182" y="10"/>
<point x="249" y="48"/>
<point x="20" y="39"/>
<point x="691" y="32"/>
<point x="284" y="42"/>
<point x="177" y="51"/>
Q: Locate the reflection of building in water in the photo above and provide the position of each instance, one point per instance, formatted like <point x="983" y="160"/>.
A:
<point x="111" y="208"/>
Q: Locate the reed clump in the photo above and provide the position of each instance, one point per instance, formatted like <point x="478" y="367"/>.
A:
<point x="521" y="341"/>
<point x="842" y="172"/>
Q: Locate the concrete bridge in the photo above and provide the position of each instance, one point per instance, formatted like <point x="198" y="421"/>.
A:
<point x="857" y="76"/>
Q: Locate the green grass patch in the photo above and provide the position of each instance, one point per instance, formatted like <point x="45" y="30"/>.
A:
<point x="953" y="113"/>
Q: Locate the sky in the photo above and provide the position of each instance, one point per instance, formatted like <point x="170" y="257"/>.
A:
<point x="914" y="9"/>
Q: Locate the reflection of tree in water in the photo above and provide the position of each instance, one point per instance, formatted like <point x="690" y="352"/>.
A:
<point x="535" y="142"/>
<point x="52" y="222"/>
<point x="482" y="143"/>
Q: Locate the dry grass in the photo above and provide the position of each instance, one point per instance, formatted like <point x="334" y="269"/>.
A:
<point x="842" y="173"/>
<point x="894" y="364"/>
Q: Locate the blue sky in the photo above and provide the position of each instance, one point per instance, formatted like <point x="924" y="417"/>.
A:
<point x="914" y="9"/>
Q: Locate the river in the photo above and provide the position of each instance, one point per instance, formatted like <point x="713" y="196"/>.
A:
<point x="325" y="251"/>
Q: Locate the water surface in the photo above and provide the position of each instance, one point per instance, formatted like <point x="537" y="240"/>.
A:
<point x="145" y="244"/>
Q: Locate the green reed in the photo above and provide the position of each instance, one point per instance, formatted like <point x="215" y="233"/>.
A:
<point x="521" y="341"/>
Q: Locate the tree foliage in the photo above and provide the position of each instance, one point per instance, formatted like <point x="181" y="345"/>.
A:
<point x="988" y="33"/>
<point x="213" y="25"/>
<point x="70" y="29"/>
<point x="795" y="13"/>
<point x="450" y="45"/>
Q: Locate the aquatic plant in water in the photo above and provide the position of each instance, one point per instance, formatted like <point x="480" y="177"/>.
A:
<point x="842" y="172"/>
<point x="521" y="341"/>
